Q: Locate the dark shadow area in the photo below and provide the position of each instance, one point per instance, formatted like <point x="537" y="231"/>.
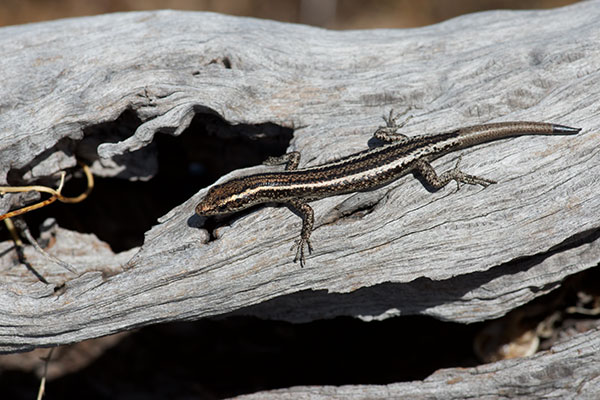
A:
<point x="223" y="357"/>
<point x="119" y="210"/>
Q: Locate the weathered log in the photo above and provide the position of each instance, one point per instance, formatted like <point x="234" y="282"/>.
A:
<point x="462" y="256"/>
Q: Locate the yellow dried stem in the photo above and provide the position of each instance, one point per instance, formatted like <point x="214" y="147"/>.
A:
<point x="56" y="194"/>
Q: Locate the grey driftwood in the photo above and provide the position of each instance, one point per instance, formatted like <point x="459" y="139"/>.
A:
<point x="465" y="256"/>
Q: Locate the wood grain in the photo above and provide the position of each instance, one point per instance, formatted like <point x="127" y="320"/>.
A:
<point x="461" y="256"/>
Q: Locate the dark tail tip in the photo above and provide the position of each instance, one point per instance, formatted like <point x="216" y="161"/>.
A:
<point x="565" y="130"/>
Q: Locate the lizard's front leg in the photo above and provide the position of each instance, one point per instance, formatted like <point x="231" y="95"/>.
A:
<point x="389" y="132"/>
<point x="308" y="220"/>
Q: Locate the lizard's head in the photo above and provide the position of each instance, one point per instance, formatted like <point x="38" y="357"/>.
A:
<point x="223" y="199"/>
